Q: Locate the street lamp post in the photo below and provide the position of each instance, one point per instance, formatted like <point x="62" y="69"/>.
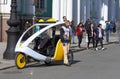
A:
<point x="12" y="32"/>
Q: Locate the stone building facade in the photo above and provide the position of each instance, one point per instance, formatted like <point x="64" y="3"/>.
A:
<point x="4" y="16"/>
<point x="77" y="10"/>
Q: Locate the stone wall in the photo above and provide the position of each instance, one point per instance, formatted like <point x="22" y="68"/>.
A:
<point x="3" y="27"/>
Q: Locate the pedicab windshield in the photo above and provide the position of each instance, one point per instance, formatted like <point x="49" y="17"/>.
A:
<point x="44" y="37"/>
<point x="32" y="30"/>
<point x="47" y="33"/>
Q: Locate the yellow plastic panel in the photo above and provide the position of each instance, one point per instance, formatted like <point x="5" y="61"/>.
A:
<point x="59" y="53"/>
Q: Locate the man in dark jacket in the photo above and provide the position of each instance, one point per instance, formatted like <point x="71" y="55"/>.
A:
<point x="65" y="38"/>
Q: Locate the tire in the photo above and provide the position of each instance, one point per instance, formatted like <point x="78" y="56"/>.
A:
<point x="47" y="63"/>
<point x="20" y="60"/>
<point x="70" y="57"/>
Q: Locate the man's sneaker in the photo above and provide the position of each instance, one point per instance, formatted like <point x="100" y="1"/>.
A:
<point x="96" y="49"/>
<point x="67" y="65"/>
<point x="103" y="48"/>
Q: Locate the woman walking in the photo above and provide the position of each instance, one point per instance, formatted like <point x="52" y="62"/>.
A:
<point x="99" y="36"/>
<point x="79" y="31"/>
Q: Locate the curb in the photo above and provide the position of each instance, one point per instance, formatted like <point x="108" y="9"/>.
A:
<point x="4" y="68"/>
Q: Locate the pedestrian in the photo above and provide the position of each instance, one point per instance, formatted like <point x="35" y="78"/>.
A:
<point x="64" y="18"/>
<point x="64" y="36"/>
<point x="107" y="30"/>
<point x="99" y="36"/>
<point x="27" y="25"/>
<point x="91" y="32"/>
<point x="79" y="31"/>
<point x="70" y="28"/>
<point x="73" y="31"/>
<point x="111" y="26"/>
<point x="87" y="24"/>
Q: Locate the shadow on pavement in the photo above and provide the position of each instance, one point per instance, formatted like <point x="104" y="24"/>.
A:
<point x="42" y="64"/>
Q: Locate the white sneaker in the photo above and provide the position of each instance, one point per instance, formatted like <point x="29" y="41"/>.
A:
<point x="96" y="49"/>
<point x="103" y="48"/>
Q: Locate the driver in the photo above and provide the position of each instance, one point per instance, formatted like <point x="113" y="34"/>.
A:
<point x="64" y="36"/>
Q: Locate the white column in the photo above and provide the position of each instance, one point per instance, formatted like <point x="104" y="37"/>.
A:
<point x="78" y="11"/>
<point x="82" y="10"/>
<point x="56" y="9"/>
<point x="117" y="9"/>
<point x="69" y="10"/>
<point x="65" y="8"/>
<point x="33" y="8"/>
<point x="87" y="9"/>
<point x="112" y="10"/>
<point x="105" y="10"/>
<point x="99" y="10"/>
<point x="61" y="10"/>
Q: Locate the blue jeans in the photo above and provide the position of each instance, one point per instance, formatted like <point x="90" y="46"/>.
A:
<point x="107" y="36"/>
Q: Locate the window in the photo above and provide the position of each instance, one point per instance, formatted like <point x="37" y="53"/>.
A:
<point x="3" y="2"/>
<point x="41" y="4"/>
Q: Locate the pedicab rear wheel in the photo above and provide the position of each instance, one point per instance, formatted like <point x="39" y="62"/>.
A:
<point x="70" y="57"/>
<point x="20" y="60"/>
<point x="48" y="63"/>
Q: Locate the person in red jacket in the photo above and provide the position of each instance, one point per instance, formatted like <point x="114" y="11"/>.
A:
<point x="79" y="31"/>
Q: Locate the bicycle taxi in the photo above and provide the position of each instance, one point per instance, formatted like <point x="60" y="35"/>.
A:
<point x="41" y="45"/>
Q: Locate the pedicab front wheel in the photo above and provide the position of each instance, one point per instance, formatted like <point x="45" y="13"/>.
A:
<point x="20" y="60"/>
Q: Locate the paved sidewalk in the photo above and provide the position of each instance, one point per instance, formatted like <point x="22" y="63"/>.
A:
<point x="4" y="64"/>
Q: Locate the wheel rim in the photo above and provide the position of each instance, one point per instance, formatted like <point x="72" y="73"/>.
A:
<point x="21" y="61"/>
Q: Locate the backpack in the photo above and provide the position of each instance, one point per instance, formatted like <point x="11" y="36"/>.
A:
<point x="111" y="26"/>
<point x="114" y="28"/>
